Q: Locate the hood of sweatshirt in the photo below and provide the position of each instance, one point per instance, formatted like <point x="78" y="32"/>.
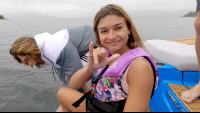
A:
<point x="51" y="45"/>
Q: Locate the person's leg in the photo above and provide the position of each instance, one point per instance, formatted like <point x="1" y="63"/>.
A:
<point x="193" y="93"/>
<point x="85" y="90"/>
<point x="67" y="96"/>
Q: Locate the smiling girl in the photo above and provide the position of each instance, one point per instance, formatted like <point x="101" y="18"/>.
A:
<point x="125" y="76"/>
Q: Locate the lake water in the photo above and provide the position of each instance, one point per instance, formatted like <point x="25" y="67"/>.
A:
<point x="25" y="89"/>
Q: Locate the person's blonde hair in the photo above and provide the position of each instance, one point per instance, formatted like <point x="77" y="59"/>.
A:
<point x="134" y="40"/>
<point x="27" y="46"/>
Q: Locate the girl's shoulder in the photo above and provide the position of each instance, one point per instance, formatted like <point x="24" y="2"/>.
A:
<point x="140" y="63"/>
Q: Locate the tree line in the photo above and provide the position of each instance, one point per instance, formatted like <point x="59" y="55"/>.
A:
<point x="1" y="17"/>
<point x="191" y="14"/>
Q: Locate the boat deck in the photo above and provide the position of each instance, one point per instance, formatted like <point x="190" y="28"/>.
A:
<point x="189" y="41"/>
<point x="178" y="89"/>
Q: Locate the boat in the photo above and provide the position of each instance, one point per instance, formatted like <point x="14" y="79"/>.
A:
<point x="178" y="71"/>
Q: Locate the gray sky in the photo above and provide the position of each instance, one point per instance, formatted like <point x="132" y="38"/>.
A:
<point x="79" y="8"/>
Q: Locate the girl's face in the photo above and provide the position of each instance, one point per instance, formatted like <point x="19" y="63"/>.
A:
<point x="26" y="59"/>
<point x="113" y="33"/>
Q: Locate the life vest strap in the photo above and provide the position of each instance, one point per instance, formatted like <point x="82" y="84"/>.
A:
<point x="95" y="105"/>
<point x="77" y="103"/>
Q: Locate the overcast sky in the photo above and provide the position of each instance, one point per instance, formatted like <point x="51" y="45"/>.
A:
<point x="78" y="8"/>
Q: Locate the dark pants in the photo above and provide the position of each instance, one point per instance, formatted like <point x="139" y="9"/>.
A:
<point x="198" y="5"/>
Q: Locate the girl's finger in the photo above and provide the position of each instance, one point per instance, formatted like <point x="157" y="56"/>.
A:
<point x="91" y="49"/>
<point x="99" y="53"/>
<point x="113" y="57"/>
<point x="95" y="56"/>
<point x="90" y="54"/>
<point x="107" y="61"/>
<point x="103" y="54"/>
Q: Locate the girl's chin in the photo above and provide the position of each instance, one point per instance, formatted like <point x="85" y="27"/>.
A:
<point x="114" y="49"/>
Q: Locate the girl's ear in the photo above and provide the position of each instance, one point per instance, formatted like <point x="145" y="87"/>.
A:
<point x="27" y="56"/>
<point x="129" y="32"/>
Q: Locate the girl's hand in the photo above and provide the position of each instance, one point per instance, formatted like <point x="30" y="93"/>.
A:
<point x="99" y="54"/>
<point x="98" y="58"/>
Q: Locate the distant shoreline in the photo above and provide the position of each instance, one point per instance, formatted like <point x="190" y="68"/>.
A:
<point x="191" y="14"/>
<point x="4" y="19"/>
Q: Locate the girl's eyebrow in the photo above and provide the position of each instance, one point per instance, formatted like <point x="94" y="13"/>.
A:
<point x="117" y="24"/>
<point x="114" y="25"/>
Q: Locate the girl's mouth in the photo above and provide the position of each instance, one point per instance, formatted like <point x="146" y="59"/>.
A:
<point x="113" y="43"/>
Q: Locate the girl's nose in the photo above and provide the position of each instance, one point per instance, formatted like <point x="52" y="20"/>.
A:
<point x="111" y="35"/>
<point x="30" y="63"/>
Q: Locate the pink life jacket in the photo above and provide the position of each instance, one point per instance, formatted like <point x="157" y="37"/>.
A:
<point x="106" y="94"/>
<point x="106" y="87"/>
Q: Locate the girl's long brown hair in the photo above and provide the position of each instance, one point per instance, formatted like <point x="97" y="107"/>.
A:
<point x="27" y="46"/>
<point x="134" y="40"/>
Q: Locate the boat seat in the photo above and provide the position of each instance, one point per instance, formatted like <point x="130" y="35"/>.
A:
<point x="182" y="56"/>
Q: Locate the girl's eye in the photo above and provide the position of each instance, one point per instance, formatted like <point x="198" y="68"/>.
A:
<point x="103" y="31"/>
<point x="26" y="61"/>
<point x="117" y="28"/>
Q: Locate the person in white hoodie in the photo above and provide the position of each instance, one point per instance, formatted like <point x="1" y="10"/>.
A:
<point x="66" y="51"/>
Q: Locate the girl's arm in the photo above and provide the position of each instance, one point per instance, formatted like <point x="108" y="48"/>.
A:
<point x="85" y="89"/>
<point x="140" y="79"/>
<point x="80" y="77"/>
